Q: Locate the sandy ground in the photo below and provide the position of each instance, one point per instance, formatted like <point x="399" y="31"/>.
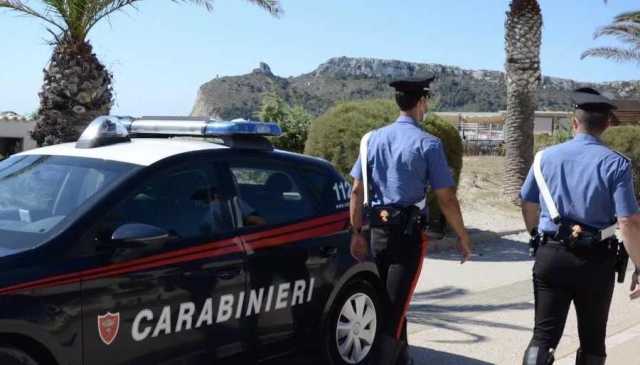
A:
<point x="480" y="196"/>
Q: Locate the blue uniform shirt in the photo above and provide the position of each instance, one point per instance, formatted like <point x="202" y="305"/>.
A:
<point x="590" y="184"/>
<point x="402" y="159"/>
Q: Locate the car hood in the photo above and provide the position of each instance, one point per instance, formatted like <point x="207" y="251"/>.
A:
<point x="9" y="251"/>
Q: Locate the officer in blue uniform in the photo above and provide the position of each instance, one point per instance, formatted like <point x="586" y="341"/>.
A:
<point x="572" y="198"/>
<point x="400" y="161"/>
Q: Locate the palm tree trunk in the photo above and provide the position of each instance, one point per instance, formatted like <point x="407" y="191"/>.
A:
<point x="76" y="90"/>
<point x="523" y="37"/>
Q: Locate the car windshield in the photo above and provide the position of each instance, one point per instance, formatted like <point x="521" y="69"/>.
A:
<point x="38" y="192"/>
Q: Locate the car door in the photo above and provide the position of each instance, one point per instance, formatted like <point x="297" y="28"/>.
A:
<point x="292" y="248"/>
<point x="170" y="301"/>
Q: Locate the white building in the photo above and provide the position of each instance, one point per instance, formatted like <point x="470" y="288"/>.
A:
<point x="15" y="133"/>
<point x="483" y="132"/>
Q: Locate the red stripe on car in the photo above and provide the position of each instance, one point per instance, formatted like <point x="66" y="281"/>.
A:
<point x="270" y="238"/>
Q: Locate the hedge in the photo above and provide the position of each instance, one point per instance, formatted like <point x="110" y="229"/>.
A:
<point x="626" y="140"/>
<point x="335" y="135"/>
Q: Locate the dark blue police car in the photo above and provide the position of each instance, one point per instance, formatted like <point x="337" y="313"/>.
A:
<point x="141" y="244"/>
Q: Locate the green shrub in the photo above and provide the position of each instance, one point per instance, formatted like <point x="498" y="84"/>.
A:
<point x="626" y="140"/>
<point x="451" y="141"/>
<point x="453" y="149"/>
<point x="542" y="141"/>
<point x="294" y="122"/>
<point x="335" y="136"/>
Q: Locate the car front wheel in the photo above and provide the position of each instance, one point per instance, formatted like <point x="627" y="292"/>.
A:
<point x="12" y="356"/>
<point x="354" y="324"/>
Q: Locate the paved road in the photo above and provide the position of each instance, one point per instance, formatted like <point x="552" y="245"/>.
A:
<point x="482" y="312"/>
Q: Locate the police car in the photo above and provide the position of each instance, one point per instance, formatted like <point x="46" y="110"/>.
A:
<point x="140" y="244"/>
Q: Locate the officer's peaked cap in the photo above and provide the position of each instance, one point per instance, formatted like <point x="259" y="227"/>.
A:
<point x="589" y="99"/>
<point x="419" y="85"/>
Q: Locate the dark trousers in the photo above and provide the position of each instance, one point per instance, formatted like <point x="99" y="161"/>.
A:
<point x="586" y="278"/>
<point x="399" y="259"/>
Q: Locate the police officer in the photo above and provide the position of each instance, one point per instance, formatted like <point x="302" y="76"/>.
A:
<point x="574" y="194"/>
<point x="400" y="161"/>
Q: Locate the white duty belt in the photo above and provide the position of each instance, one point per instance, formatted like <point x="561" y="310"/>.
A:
<point x="364" y="150"/>
<point x="551" y="205"/>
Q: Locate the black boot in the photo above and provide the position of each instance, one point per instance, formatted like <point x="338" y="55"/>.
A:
<point x="387" y="351"/>
<point x="538" y="355"/>
<point x="403" y="357"/>
<point x="586" y="359"/>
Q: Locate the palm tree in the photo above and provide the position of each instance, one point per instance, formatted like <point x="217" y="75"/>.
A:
<point x="625" y="27"/>
<point x="523" y="38"/>
<point x="77" y="86"/>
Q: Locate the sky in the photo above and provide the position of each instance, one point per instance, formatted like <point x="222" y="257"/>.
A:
<point x="160" y="54"/>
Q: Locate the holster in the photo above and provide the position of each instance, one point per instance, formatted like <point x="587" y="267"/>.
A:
<point x="622" y="262"/>
<point x="534" y="242"/>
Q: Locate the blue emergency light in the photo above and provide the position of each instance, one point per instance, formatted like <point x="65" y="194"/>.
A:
<point x="240" y="126"/>
<point x="111" y="129"/>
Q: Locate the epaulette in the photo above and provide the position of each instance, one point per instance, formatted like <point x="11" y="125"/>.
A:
<point x="622" y="155"/>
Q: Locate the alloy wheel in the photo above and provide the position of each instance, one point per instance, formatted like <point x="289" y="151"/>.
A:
<point x="356" y="328"/>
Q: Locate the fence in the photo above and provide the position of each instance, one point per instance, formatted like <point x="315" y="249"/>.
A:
<point x="482" y="138"/>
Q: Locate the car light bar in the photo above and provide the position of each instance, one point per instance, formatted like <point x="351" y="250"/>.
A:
<point x="110" y="129"/>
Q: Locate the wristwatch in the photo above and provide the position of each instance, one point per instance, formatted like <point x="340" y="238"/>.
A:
<point x="356" y="230"/>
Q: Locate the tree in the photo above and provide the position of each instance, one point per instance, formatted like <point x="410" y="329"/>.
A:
<point x="523" y="38"/>
<point x="295" y="128"/>
<point x="626" y="28"/>
<point x="294" y="121"/>
<point x="273" y="108"/>
<point x="77" y="86"/>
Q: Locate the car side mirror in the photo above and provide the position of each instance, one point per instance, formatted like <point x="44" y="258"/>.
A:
<point x="138" y="234"/>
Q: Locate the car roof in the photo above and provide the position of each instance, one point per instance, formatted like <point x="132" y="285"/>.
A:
<point x="140" y="151"/>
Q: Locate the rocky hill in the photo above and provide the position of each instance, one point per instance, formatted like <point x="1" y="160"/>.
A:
<point x="346" y="78"/>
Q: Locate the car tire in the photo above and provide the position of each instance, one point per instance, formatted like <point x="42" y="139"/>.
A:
<point x="13" y="356"/>
<point x="354" y="325"/>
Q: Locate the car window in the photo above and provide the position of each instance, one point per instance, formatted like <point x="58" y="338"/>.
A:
<point x="186" y="202"/>
<point x="37" y="193"/>
<point x="331" y="192"/>
<point x="270" y="194"/>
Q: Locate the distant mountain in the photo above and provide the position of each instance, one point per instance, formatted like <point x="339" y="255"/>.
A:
<point x="347" y="78"/>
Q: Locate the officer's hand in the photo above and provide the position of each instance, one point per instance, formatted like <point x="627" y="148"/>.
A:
<point x="466" y="248"/>
<point x="359" y="246"/>
<point x="635" y="285"/>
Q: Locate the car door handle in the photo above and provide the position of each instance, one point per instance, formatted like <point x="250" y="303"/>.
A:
<point x="329" y="251"/>
<point x="228" y="274"/>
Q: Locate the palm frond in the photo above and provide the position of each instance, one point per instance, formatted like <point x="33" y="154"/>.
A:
<point x="21" y="8"/>
<point x="102" y="9"/>
<point x="76" y="18"/>
<point x="207" y="4"/>
<point x="272" y="6"/>
<point x="630" y="16"/>
<point x="613" y="53"/>
<point x="625" y="32"/>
